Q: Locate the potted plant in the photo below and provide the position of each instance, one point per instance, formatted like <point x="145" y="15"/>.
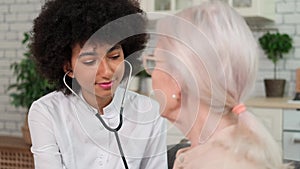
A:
<point x="274" y="46"/>
<point x="29" y="85"/>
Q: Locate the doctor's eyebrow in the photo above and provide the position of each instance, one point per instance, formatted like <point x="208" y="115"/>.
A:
<point x="87" y="54"/>
<point x="93" y="53"/>
<point x="117" y="46"/>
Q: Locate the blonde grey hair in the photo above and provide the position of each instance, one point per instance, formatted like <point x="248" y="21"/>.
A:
<point x="216" y="62"/>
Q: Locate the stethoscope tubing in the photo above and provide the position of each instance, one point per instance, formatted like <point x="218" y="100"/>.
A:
<point x="114" y="130"/>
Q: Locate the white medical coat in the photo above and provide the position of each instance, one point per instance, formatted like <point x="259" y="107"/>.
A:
<point x="66" y="133"/>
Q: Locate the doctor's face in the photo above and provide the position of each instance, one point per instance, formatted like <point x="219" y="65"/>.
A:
<point x="98" y="68"/>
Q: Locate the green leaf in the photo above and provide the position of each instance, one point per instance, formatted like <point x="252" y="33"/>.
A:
<point x="30" y="85"/>
<point x="275" y="45"/>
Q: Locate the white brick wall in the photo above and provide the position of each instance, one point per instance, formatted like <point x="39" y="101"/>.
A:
<point x="287" y="21"/>
<point x="285" y="7"/>
<point x="16" y="17"/>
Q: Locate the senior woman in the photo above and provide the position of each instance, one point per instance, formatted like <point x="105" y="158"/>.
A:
<point x="203" y="68"/>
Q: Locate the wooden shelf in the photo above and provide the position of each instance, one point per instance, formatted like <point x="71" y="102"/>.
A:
<point x="15" y="153"/>
<point x="279" y="102"/>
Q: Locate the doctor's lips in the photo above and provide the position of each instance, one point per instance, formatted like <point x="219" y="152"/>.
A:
<point x="105" y="85"/>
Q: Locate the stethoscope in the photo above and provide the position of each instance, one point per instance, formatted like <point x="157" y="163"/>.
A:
<point x="114" y="130"/>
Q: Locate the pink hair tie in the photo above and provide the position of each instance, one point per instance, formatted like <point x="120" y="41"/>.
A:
<point x="239" y="108"/>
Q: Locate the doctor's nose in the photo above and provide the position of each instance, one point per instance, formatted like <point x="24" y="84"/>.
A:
<point x="104" y="68"/>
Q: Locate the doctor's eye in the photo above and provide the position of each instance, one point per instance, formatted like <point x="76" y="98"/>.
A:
<point x="114" y="56"/>
<point x="115" y="52"/>
<point x="89" y="62"/>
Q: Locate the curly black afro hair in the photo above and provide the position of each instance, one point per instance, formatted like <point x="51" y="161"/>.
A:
<point x="64" y="23"/>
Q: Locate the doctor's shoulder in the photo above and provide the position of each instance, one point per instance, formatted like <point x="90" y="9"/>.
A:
<point x="52" y="98"/>
<point x="51" y="101"/>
